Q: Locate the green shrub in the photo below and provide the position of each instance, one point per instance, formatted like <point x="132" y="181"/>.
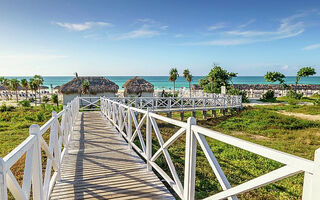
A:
<point x="269" y="95"/>
<point x="45" y="99"/>
<point x="238" y="92"/>
<point x="293" y="94"/>
<point x="40" y="117"/>
<point x="316" y="102"/>
<point x="25" y="103"/>
<point x="4" y="108"/>
<point x="292" y="101"/>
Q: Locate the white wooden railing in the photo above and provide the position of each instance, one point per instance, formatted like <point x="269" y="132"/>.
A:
<point x="61" y="127"/>
<point x="89" y="103"/>
<point x="181" y="103"/>
<point x="124" y="117"/>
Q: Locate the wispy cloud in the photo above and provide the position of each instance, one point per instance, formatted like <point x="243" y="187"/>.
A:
<point x="312" y="47"/>
<point x="251" y="21"/>
<point x="145" y="28"/>
<point x="217" y="26"/>
<point x="288" y="27"/>
<point x="285" y="67"/>
<point x="82" y="26"/>
<point x="178" y="35"/>
<point x="138" y="33"/>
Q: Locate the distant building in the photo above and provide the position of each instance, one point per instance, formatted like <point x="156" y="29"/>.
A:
<point x="99" y="86"/>
<point x="138" y="87"/>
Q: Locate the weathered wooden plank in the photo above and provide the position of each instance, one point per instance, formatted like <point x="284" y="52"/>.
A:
<point x="99" y="165"/>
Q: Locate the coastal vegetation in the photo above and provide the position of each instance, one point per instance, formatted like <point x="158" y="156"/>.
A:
<point x="173" y="75"/>
<point x="216" y="78"/>
<point x="14" y="128"/>
<point x="188" y="76"/>
<point x="263" y="125"/>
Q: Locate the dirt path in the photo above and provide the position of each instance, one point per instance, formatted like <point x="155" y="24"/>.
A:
<point x="300" y="115"/>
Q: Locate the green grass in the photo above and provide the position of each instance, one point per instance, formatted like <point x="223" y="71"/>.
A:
<point x="303" y="99"/>
<point x="274" y="100"/>
<point x="260" y="125"/>
<point x="14" y="129"/>
<point x="305" y="109"/>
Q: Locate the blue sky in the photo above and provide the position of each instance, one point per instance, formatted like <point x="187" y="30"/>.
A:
<point x="131" y="37"/>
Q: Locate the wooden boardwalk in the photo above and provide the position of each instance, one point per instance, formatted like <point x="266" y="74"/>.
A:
<point x="99" y="165"/>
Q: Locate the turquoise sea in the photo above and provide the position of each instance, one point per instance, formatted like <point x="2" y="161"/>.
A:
<point x="161" y="82"/>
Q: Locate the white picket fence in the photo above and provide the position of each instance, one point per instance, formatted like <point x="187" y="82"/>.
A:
<point x="61" y="127"/>
<point x="181" y="103"/>
<point x="124" y="117"/>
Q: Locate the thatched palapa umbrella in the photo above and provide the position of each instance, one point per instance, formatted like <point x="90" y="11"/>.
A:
<point x="99" y="86"/>
<point x="138" y="86"/>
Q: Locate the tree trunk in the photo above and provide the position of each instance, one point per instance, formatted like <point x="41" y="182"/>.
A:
<point x="17" y="96"/>
<point x="211" y="84"/>
<point x="174" y="88"/>
<point x="39" y="94"/>
<point x="190" y="88"/>
<point x="35" y="97"/>
<point x="26" y="94"/>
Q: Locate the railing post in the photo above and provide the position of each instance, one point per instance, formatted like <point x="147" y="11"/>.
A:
<point x="312" y="181"/>
<point x="57" y="148"/>
<point x="37" y="189"/>
<point x="190" y="161"/>
<point x="3" y="182"/>
<point x="148" y="141"/>
<point x="129" y="134"/>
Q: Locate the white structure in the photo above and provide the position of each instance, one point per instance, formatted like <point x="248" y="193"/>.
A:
<point x="138" y="87"/>
<point x="98" y="87"/>
<point x="124" y="119"/>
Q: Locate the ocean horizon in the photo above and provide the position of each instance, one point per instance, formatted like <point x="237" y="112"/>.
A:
<point x="161" y="82"/>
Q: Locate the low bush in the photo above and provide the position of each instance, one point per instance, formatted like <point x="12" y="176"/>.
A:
<point x="268" y="96"/>
<point x="294" y="95"/>
<point x="4" y="108"/>
<point x="25" y="103"/>
<point x="292" y="101"/>
<point x="238" y="92"/>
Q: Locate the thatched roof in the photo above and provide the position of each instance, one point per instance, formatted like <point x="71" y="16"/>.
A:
<point x="98" y="84"/>
<point x="137" y="85"/>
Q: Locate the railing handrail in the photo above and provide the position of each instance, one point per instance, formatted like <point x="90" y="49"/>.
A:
<point x="124" y="117"/>
<point x="163" y="104"/>
<point x="60" y="135"/>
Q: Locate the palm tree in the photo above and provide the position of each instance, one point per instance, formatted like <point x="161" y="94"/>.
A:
<point x="85" y="86"/>
<point x="211" y="80"/>
<point x="34" y="87"/>
<point x="25" y="84"/>
<point x="187" y="75"/>
<point x="173" y="77"/>
<point x="38" y="81"/>
<point x="5" y="83"/>
<point x="14" y="85"/>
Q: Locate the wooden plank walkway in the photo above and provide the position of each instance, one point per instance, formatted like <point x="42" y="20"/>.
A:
<point x="99" y="165"/>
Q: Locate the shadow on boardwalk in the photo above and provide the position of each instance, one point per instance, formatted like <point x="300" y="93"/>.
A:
<point x="100" y="165"/>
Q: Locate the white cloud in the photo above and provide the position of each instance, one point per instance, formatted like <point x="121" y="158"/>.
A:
<point x="312" y="47"/>
<point x="217" y="26"/>
<point x="83" y="26"/>
<point x="178" y="35"/>
<point x="138" y="33"/>
<point x="145" y="28"/>
<point x="285" y="67"/>
<point x="247" y="23"/>
<point x="288" y="27"/>
<point x="221" y="42"/>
